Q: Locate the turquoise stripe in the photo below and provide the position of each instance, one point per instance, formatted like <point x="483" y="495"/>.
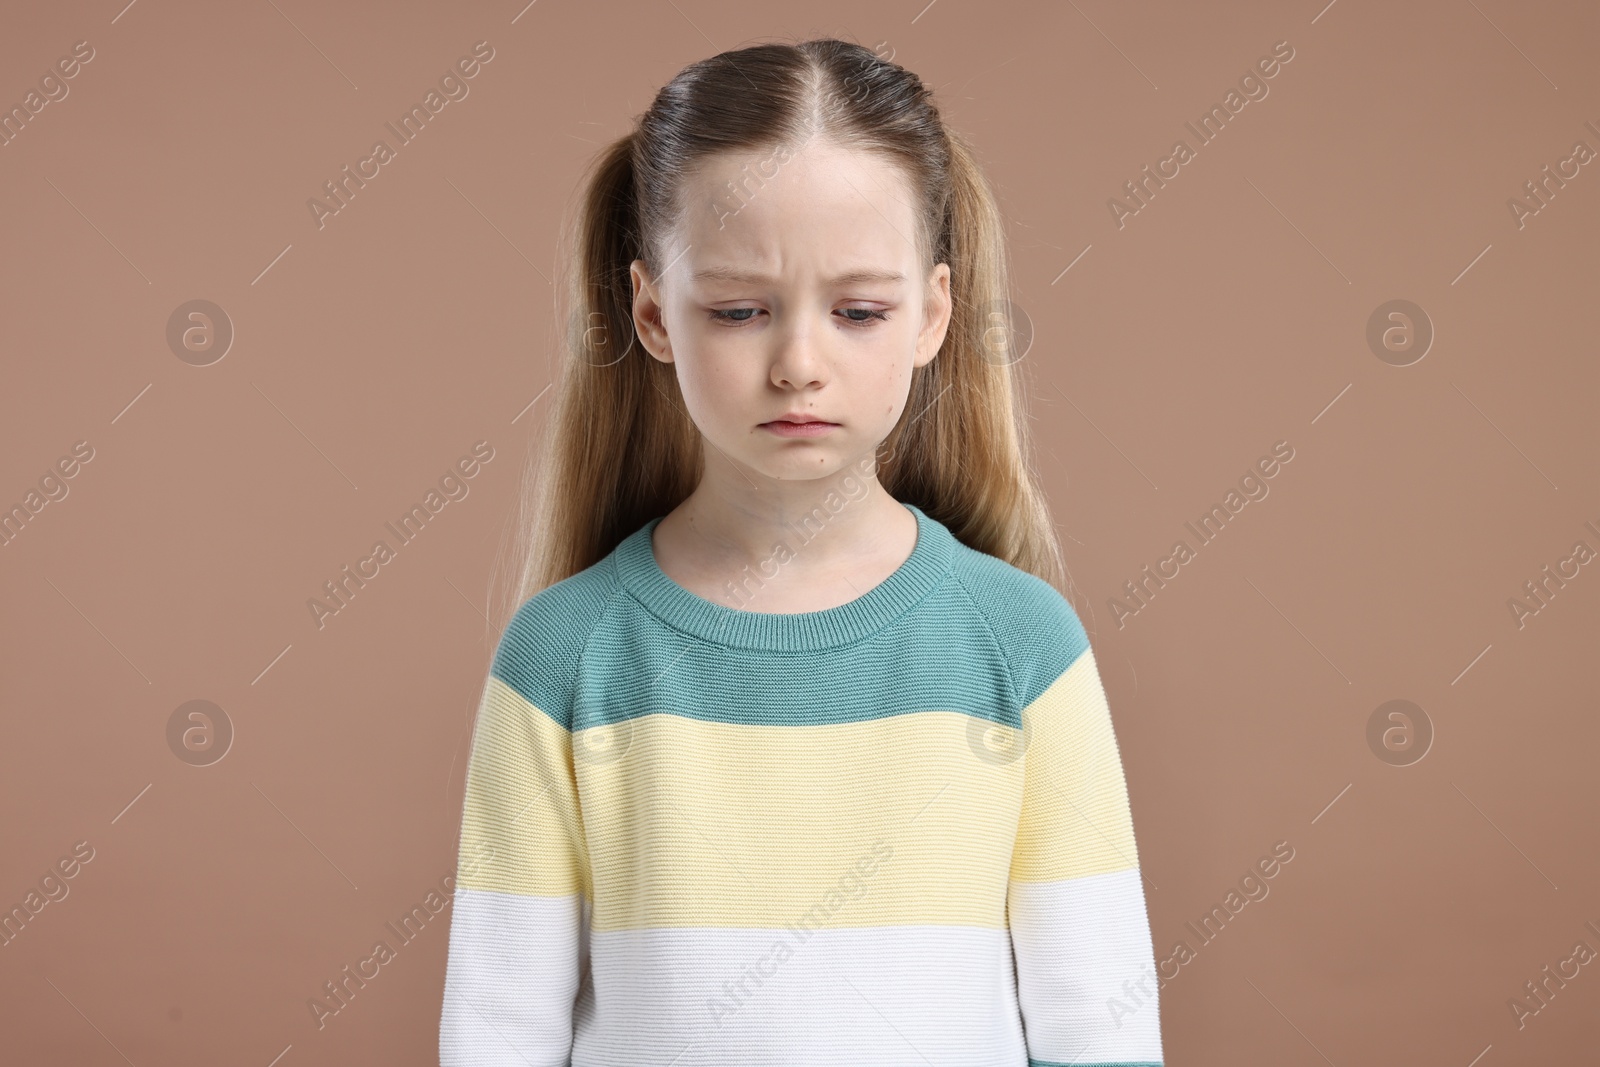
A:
<point x="595" y="650"/>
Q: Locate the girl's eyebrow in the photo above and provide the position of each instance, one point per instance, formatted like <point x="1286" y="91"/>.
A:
<point x="733" y="274"/>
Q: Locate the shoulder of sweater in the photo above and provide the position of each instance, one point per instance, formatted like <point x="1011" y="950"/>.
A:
<point x="1036" y="627"/>
<point x="542" y="647"/>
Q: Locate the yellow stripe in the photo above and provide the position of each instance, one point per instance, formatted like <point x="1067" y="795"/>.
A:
<point x="915" y="818"/>
<point x="519" y="829"/>
<point x="1076" y="819"/>
<point x="887" y="821"/>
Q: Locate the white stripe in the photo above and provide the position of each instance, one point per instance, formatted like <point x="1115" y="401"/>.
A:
<point x="510" y="979"/>
<point x="908" y="995"/>
<point x="693" y="997"/>
<point x="889" y="996"/>
<point x="1077" y="943"/>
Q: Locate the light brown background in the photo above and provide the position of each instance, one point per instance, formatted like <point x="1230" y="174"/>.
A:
<point x="371" y="353"/>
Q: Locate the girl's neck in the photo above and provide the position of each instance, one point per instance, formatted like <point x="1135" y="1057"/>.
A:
<point x="829" y="555"/>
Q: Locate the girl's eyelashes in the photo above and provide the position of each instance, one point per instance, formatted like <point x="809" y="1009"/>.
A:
<point x="871" y="314"/>
<point x="880" y="316"/>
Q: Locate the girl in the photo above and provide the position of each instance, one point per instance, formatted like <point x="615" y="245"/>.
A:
<point x="793" y="753"/>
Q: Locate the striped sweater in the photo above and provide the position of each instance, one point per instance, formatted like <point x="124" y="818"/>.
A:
<point x="891" y="832"/>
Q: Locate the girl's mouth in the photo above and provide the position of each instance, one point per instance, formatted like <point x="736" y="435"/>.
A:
<point x="799" y="429"/>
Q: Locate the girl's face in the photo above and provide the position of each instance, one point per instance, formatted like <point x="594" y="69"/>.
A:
<point x="802" y="293"/>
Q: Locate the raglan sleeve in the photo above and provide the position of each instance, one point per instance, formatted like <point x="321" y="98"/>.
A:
<point x="518" y="944"/>
<point x="1080" y="932"/>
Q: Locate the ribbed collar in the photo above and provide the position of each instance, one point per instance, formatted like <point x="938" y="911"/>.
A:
<point x="670" y="602"/>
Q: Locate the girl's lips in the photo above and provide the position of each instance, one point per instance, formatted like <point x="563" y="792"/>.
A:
<point x="799" y="429"/>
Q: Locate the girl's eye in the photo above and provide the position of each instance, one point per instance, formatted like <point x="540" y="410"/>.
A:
<point x="869" y="316"/>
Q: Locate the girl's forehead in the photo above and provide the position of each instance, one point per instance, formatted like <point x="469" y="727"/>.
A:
<point x="825" y="213"/>
<point x="812" y="169"/>
<point x="871" y="255"/>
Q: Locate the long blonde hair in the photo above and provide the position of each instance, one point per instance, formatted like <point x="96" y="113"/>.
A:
<point x="619" y="448"/>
